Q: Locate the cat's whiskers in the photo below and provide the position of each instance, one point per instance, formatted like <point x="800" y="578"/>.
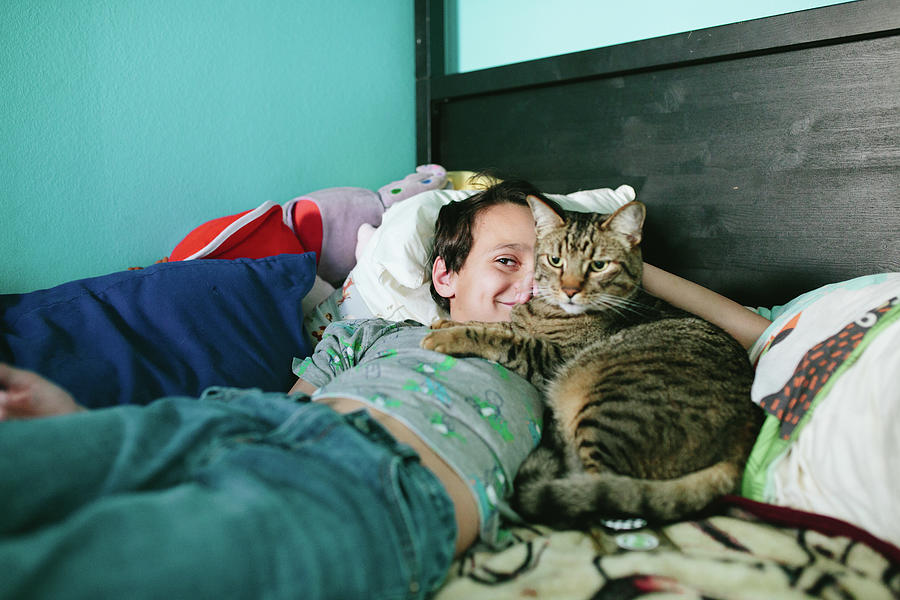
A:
<point x="607" y="302"/>
<point x="627" y="304"/>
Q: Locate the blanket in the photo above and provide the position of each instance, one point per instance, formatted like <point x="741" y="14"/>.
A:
<point x="742" y="549"/>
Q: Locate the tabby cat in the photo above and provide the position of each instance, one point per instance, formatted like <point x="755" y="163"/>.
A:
<point x="649" y="410"/>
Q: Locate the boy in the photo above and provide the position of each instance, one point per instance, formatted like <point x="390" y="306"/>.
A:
<point x="366" y="491"/>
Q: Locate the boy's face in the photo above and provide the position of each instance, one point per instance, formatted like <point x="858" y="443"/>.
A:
<point x="498" y="272"/>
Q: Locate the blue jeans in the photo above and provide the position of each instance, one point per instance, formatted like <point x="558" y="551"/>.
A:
<point x="241" y="494"/>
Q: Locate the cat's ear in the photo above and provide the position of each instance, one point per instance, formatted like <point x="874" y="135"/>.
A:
<point x="544" y="216"/>
<point x="628" y="221"/>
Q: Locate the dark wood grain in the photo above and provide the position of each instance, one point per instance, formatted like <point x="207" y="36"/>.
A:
<point x="430" y="47"/>
<point x="831" y="24"/>
<point x="766" y="174"/>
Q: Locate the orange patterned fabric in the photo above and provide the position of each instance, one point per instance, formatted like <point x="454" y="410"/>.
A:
<point x="818" y="365"/>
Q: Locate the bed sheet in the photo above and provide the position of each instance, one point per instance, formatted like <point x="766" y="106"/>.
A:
<point x="743" y="549"/>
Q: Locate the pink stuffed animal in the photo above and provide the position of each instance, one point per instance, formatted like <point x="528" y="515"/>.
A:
<point x="327" y="222"/>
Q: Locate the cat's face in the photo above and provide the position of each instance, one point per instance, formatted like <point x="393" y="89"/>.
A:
<point x="587" y="262"/>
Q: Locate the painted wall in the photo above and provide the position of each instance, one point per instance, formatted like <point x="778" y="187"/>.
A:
<point x="126" y="123"/>
<point x="489" y="33"/>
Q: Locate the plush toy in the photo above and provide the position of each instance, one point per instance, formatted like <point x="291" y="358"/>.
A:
<point x="327" y="222"/>
<point x="456" y="180"/>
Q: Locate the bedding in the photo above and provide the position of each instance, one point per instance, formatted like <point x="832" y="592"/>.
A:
<point x="740" y="550"/>
<point x="827" y="376"/>
<point x="170" y="329"/>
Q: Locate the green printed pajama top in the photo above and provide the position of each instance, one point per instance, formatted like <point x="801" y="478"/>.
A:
<point x="480" y="418"/>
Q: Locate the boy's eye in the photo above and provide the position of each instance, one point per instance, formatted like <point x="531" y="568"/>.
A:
<point x="505" y="260"/>
<point x="554" y="261"/>
<point x="598" y="265"/>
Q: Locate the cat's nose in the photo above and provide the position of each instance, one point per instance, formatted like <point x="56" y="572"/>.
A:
<point x="570" y="291"/>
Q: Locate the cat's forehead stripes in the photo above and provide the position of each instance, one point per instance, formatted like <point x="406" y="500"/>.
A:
<point x="583" y="225"/>
<point x="579" y="237"/>
<point x="579" y="244"/>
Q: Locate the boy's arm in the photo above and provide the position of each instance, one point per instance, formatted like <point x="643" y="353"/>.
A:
<point x="303" y="387"/>
<point x="743" y="324"/>
<point x="343" y="345"/>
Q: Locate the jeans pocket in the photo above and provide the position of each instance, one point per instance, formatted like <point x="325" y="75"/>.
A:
<point x="425" y="521"/>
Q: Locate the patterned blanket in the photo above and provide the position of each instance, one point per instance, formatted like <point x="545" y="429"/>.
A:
<point x="742" y="549"/>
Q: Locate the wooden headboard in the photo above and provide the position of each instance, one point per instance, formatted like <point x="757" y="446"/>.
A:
<point x="767" y="151"/>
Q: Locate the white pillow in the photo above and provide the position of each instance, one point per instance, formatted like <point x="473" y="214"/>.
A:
<point x="393" y="276"/>
<point x="830" y="361"/>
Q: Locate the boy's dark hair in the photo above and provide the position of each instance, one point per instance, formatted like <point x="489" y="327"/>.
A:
<point x="453" y="234"/>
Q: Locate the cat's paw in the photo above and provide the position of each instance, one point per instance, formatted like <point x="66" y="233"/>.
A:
<point x="444" y="324"/>
<point x="445" y="341"/>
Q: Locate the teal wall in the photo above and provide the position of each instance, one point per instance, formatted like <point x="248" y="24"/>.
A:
<point x="489" y="33"/>
<point x="126" y="123"/>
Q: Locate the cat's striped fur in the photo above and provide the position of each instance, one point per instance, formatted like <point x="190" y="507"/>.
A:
<point x="649" y="410"/>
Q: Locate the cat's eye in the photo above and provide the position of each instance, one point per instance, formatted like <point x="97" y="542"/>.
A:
<point x="554" y="261"/>
<point x="598" y="265"/>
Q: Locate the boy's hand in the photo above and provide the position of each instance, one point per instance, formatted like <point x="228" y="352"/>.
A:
<point x="27" y="395"/>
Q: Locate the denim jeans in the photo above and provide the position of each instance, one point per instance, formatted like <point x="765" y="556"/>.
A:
<point x="241" y="494"/>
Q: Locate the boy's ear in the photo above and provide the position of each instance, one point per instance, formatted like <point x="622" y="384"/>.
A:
<point x="443" y="280"/>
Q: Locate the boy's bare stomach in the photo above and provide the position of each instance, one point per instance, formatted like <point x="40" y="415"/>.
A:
<point x="463" y="503"/>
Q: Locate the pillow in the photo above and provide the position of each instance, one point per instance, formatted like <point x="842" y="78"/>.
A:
<point x="392" y="277"/>
<point x="826" y="376"/>
<point x="170" y="329"/>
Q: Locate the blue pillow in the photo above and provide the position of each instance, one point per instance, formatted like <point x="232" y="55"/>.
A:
<point x="170" y="329"/>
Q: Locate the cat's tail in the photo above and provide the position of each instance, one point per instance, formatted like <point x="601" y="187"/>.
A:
<point x="581" y="500"/>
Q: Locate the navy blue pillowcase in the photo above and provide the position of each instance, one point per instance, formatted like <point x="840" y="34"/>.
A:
<point x="170" y="329"/>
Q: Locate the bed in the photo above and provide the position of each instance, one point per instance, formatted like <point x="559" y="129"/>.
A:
<point x="768" y="155"/>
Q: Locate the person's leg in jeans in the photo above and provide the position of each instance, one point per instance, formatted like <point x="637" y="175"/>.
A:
<point x="52" y="466"/>
<point x="313" y="508"/>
